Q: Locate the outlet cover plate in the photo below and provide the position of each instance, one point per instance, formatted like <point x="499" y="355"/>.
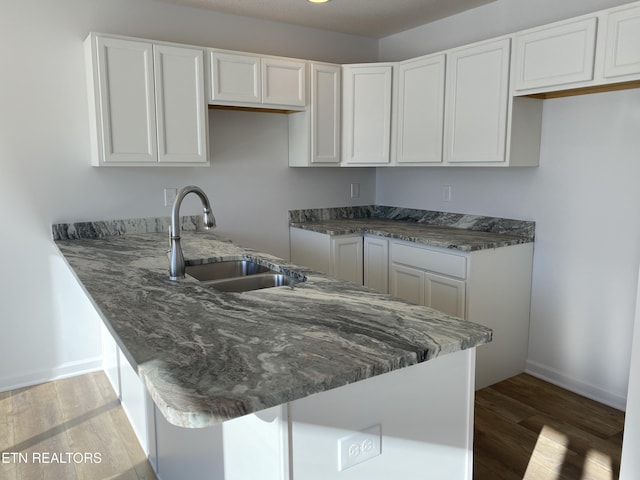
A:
<point x="359" y="447"/>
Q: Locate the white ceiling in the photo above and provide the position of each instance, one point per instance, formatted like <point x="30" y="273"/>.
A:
<point x="371" y="18"/>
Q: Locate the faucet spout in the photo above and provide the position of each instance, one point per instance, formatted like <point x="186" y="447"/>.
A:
<point x="176" y="258"/>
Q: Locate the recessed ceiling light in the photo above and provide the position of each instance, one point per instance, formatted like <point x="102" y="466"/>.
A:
<point x="318" y="1"/>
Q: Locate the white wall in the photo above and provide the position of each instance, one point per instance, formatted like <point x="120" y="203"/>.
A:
<point x="584" y="199"/>
<point x="45" y="174"/>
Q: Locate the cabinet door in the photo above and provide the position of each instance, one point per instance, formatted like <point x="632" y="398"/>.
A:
<point x="234" y="78"/>
<point x="311" y="249"/>
<point x="283" y="82"/>
<point x="346" y="253"/>
<point x="407" y="283"/>
<point x="180" y="105"/>
<point x="126" y="118"/>
<point x="325" y="113"/>
<point x="445" y="294"/>
<point x="421" y="110"/>
<point x="476" y="103"/>
<point x="376" y="263"/>
<point x="366" y="120"/>
<point x="622" y="51"/>
<point x="555" y="55"/>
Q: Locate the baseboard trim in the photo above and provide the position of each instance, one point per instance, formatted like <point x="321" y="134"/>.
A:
<point x="576" y="386"/>
<point x="65" y="370"/>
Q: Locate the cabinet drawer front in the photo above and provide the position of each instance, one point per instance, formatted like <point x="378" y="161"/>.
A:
<point x="431" y="260"/>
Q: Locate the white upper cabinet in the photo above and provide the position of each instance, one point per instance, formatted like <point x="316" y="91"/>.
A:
<point x="476" y="103"/>
<point x="597" y="50"/>
<point x="181" y="108"/>
<point x="420" y="110"/>
<point x="146" y="103"/>
<point x="314" y="135"/>
<point x="235" y="77"/>
<point x="366" y="113"/>
<point x="622" y="46"/>
<point x="240" y="79"/>
<point x="283" y="82"/>
<point x="555" y="55"/>
<point x="123" y="100"/>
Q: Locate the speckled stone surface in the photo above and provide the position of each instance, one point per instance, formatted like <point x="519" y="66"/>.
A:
<point x="208" y="356"/>
<point x="438" y="229"/>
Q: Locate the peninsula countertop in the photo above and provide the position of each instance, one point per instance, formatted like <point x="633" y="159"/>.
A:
<point x="206" y="356"/>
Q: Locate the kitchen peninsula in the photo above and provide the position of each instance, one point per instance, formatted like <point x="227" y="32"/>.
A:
<point x="301" y="375"/>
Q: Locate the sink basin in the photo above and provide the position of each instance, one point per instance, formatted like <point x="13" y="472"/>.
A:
<point x="251" y="282"/>
<point x="226" y="269"/>
<point x="238" y="276"/>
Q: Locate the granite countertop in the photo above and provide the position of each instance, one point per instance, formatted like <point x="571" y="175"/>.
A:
<point x="438" y="229"/>
<point x="206" y="356"/>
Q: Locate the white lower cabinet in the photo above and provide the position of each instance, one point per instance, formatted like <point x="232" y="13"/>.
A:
<point x="346" y="255"/>
<point x="339" y="255"/>
<point x="429" y="277"/>
<point x="376" y="263"/>
<point x="425" y="288"/>
<point x="491" y="287"/>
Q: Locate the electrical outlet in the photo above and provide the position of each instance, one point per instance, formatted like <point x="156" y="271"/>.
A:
<point x="446" y="193"/>
<point x="359" y="447"/>
<point x="169" y="196"/>
<point x="355" y="190"/>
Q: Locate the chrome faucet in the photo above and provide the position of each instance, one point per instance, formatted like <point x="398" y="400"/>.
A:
<point x="176" y="259"/>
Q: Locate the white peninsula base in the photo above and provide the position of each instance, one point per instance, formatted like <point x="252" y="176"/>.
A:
<point x="417" y="423"/>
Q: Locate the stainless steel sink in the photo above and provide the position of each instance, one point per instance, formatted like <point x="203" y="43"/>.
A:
<point x="251" y="282"/>
<point x="238" y="276"/>
<point x="222" y="270"/>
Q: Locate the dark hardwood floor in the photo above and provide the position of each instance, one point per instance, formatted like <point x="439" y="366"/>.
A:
<point x="526" y="428"/>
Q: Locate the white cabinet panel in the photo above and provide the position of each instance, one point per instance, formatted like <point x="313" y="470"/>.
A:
<point x="283" y="82"/>
<point x="622" y="51"/>
<point x="126" y="101"/>
<point x="325" y="112"/>
<point x="243" y="79"/>
<point x="346" y="253"/>
<point x="556" y="55"/>
<point x="420" y="110"/>
<point x="407" y="283"/>
<point x="376" y="263"/>
<point x="181" y="106"/>
<point x="310" y="249"/>
<point x="147" y="103"/>
<point x="235" y="77"/>
<point x="315" y="134"/>
<point x="366" y="115"/>
<point x="476" y="103"/>
<point x="445" y="294"/>
<point x="425" y="413"/>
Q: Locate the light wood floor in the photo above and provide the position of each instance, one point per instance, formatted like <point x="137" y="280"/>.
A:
<point x="524" y="429"/>
<point x="529" y="429"/>
<point x="77" y="421"/>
